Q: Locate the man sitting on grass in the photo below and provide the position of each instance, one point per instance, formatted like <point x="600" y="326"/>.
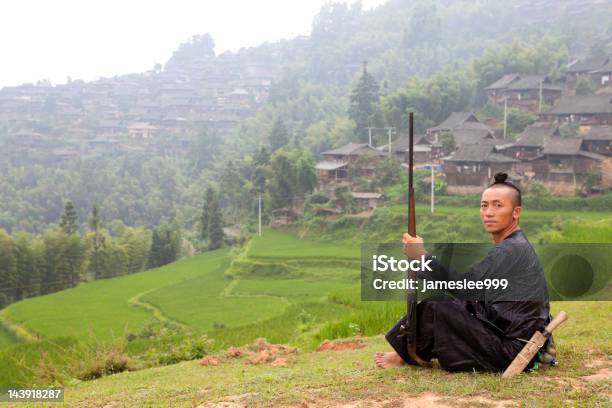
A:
<point x="484" y="334"/>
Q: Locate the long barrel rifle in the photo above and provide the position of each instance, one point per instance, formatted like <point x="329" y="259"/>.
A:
<point x="409" y="329"/>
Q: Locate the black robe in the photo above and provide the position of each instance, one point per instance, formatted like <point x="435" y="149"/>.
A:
<point x="485" y="334"/>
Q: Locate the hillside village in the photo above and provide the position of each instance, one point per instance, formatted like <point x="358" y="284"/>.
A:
<point x="87" y="119"/>
<point x="569" y="145"/>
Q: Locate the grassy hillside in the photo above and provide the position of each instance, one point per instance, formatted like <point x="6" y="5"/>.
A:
<point x="292" y="290"/>
<point x="341" y="377"/>
<point x="276" y="244"/>
<point x="102" y="308"/>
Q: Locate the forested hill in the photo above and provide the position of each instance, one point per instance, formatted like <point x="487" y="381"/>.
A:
<point x="421" y="53"/>
<point x="402" y="38"/>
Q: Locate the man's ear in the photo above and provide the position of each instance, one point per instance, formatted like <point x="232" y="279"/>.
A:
<point x="516" y="212"/>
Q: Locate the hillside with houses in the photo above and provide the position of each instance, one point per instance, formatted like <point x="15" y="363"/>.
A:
<point x="286" y="121"/>
<point x="568" y="144"/>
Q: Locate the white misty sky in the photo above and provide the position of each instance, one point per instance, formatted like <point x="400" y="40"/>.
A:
<point x="89" y="39"/>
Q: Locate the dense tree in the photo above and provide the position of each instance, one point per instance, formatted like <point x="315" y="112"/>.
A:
<point x="215" y="225"/>
<point x="448" y="142"/>
<point x="97" y="242"/>
<point x="585" y="86"/>
<point x="136" y="244"/>
<point x="364" y="97"/>
<point x="70" y="219"/>
<point x="165" y="245"/>
<point x="279" y="137"/>
<point x="205" y="214"/>
<point x="292" y="173"/>
<point x="199" y="48"/>
<point x="9" y="279"/>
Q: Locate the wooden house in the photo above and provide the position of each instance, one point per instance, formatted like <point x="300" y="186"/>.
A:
<point x="424" y="150"/>
<point x="473" y="166"/>
<point x="334" y="170"/>
<point x="465" y="121"/>
<point x="141" y="130"/>
<point x="523" y="91"/>
<point x="563" y="161"/>
<point x="582" y="109"/>
<point x="531" y="141"/>
<point x="598" y="139"/>
<point x="586" y="66"/>
<point x="367" y="201"/>
<point x="602" y="76"/>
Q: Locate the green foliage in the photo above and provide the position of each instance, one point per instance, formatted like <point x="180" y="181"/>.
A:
<point x="165" y="246"/>
<point x="199" y="47"/>
<point x="166" y="344"/>
<point x="292" y="173"/>
<point x="518" y="120"/>
<point x="448" y="142"/>
<point x="364" y="97"/>
<point x="70" y="219"/>
<point x="279" y="137"/>
<point x="585" y="86"/>
<point x="328" y="133"/>
<point x="8" y="269"/>
<point x="543" y="56"/>
<point x="431" y="100"/>
<point x="215" y="225"/>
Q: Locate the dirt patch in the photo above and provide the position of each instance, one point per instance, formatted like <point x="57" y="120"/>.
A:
<point x="259" y="352"/>
<point x="233" y="352"/>
<point x="280" y="361"/>
<point x="223" y="405"/>
<point x="598" y="362"/>
<point x="601" y="375"/>
<point x="233" y="401"/>
<point x="341" y="345"/>
<point x="425" y="400"/>
<point x="262" y="352"/>
<point x="567" y="384"/>
<point x="206" y="361"/>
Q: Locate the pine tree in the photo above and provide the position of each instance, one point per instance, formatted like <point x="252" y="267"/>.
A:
<point x="97" y="244"/>
<point x="9" y="279"/>
<point x="259" y="176"/>
<point x="215" y="225"/>
<point x="205" y="217"/>
<point x="279" y="136"/>
<point x="262" y="157"/>
<point x="165" y="246"/>
<point x="69" y="219"/>
<point x="156" y="250"/>
<point x="24" y="258"/>
<point x="363" y="98"/>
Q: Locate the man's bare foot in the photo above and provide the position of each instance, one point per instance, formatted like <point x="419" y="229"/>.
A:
<point x="386" y="360"/>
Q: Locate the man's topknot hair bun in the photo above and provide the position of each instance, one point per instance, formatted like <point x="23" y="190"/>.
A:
<point x="500" y="178"/>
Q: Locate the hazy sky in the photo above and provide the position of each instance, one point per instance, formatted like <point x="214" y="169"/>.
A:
<point x="88" y="39"/>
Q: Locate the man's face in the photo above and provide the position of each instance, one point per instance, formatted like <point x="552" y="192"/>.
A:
<point x="497" y="210"/>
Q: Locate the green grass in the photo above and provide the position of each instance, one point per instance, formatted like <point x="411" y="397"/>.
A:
<point x="292" y="290"/>
<point x="200" y="303"/>
<point x="6" y="338"/>
<point x="335" y="377"/>
<point x="278" y="244"/>
<point x="101" y="309"/>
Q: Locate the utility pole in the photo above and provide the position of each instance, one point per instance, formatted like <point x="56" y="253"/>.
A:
<point x="370" y="135"/>
<point x="259" y="200"/>
<point x="432" y="187"/>
<point x="540" y="103"/>
<point x="390" y="130"/>
<point x="505" y="116"/>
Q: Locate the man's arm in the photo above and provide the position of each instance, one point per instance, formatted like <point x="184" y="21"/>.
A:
<point x="414" y="248"/>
